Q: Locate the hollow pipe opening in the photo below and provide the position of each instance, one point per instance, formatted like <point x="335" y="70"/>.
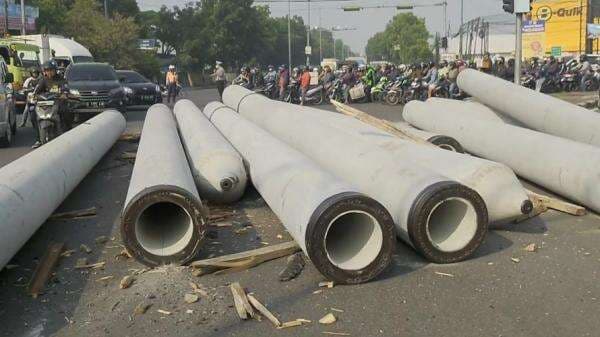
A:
<point x="227" y="183"/>
<point x="452" y="224"/>
<point x="350" y="238"/>
<point x="446" y="143"/>
<point x="353" y="240"/>
<point x="447" y="222"/>
<point x="164" y="228"/>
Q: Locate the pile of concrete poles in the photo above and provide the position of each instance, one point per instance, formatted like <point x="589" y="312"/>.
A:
<point x="33" y="186"/>
<point x="434" y="196"/>
<point x="347" y="235"/>
<point x="546" y="140"/>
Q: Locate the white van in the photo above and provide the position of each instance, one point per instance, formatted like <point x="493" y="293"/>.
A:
<point x="62" y="48"/>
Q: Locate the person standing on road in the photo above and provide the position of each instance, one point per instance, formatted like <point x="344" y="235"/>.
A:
<point x="172" y="80"/>
<point x="219" y="78"/>
<point x="304" y="84"/>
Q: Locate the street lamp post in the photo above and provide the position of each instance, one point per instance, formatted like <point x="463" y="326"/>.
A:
<point x="460" y="31"/>
<point x="289" y="34"/>
<point x="23" y="28"/>
<point x="308" y="37"/>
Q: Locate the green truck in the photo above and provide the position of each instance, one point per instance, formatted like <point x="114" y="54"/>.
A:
<point x="20" y="56"/>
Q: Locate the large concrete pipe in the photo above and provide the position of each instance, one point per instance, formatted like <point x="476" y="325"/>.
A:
<point x="566" y="167"/>
<point x="443" y="220"/>
<point x="348" y="236"/>
<point x="441" y="141"/>
<point x="33" y="186"/>
<point x="163" y="220"/>
<point x="217" y="167"/>
<point x="535" y="110"/>
<point x="474" y="110"/>
<point x="496" y="183"/>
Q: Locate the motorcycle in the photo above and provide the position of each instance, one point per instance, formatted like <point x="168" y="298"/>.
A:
<point x="442" y="89"/>
<point x="418" y="90"/>
<point x="270" y="90"/>
<point x="397" y="91"/>
<point x="358" y="93"/>
<point x="379" y="91"/>
<point x="335" y="91"/>
<point x="47" y="111"/>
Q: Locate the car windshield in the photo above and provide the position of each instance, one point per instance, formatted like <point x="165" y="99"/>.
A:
<point x="29" y="58"/>
<point x="132" y="77"/>
<point x="91" y="73"/>
<point x="82" y="59"/>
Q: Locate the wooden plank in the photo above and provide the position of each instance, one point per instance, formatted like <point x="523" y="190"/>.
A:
<point x="261" y="254"/>
<point x="242" y="306"/>
<point x="44" y="270"/>
<point x="556" y="204"/>
<point x="78" y="214"/>
<point x="130" y="137"/>
<point x="377" y="122"/>
<point x="263" y="310"/>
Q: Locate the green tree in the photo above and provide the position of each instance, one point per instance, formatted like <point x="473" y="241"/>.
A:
<point x="378" y="47"/>
<point x="52" y="15"/>
<point x="109" y="40"/>
<point x="126" y="8"/>
<point x="407" y="37"/>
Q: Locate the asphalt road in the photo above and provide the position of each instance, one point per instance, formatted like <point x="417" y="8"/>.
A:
<point x="554" y="291"/>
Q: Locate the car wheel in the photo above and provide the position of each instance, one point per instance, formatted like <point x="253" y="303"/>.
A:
<point x="6" y="139"/>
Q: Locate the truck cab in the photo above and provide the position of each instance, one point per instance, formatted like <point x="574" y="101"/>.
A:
<point x="19" y="57"/>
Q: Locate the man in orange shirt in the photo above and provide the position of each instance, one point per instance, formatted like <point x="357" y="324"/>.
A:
<point x="304" y="84"/>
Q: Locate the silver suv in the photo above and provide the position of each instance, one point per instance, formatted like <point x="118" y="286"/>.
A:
<point x="8" y="118"/>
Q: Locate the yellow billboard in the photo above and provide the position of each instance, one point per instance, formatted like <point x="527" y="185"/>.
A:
<point x="565" y="24"/>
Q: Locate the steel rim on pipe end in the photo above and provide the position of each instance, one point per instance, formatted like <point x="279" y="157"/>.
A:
<point x="446" y="143"/>
<point x="447" y="222"/>
<point x="350" y="238"/>
<point x="151" y="238"/>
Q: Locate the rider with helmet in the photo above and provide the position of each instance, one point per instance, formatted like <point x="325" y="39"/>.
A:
<point x="52" y="82"/>
<point x="584" y="70"/>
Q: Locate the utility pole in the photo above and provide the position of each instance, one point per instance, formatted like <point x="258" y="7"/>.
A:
<point x="289" y="35"/>
<point x="518" y="48"/>
<point x="462" y="23"/>
<point x="6" y="17"/>
<point x="308" y="37"/>
<point x="106" y="9"/>
<point x="23" y="28"/>
<point x="320" y="38"/>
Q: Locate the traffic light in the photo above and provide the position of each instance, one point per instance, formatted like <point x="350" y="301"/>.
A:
<point x="351" y="8"/>
<point x="508" y="6"/>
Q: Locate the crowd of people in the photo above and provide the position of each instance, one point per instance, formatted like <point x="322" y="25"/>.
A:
<point x="414" y="81"/>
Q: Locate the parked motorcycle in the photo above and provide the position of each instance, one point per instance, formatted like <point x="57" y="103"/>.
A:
<point x="379" y="91"/>
<point x="336" y="91"/>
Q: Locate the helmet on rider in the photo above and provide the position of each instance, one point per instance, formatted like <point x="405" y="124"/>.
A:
<point x="49" y="65"/>
<point x="582" y="58"/>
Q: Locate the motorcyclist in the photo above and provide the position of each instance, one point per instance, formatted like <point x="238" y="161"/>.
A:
<point x="368" y="79"/>
<point x="28" y="85"/>
<point x="53" y="83"/>
<point x="327" y="77"/>
<point x="500" y="68"/>
<point x="348" y="80"/>
<point x="284" y="79"/>
<point x="452" y="76"/>
<point x="584" y="70"/>
<point x="431" y="78"/>
<point x="510" y="70"/>
<point x="486" y="64"/>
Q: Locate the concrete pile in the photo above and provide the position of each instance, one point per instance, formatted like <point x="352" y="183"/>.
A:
<point x="32" y="187"/>
<point x="564" y="166"/>
<point x="535" y="110"/>
<point x="163" y="220"/>
<point x="443" y="219"/>
<point x="217" y="167"/>
<point x="348" y="236"/>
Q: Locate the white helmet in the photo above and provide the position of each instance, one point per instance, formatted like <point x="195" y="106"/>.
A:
<point x="316" y="70"/>
<point x="171" y="67"/>
<point x="402" y="68"/>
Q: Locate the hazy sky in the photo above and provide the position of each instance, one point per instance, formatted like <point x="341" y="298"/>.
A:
<point x="368" y="21"/>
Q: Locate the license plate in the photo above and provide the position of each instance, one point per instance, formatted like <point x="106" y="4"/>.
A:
<point x="95" y="104"/>
<point x="148" y="98"/>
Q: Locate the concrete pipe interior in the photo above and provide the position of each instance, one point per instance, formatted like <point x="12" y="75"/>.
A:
<point x="353" y="240"/>
<point x="452" y="224"/>
<point x="164" y="228"/>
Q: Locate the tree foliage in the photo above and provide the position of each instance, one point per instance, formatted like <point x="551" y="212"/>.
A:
<point x="403" y="41"/>
<point x="236" y="32"/>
